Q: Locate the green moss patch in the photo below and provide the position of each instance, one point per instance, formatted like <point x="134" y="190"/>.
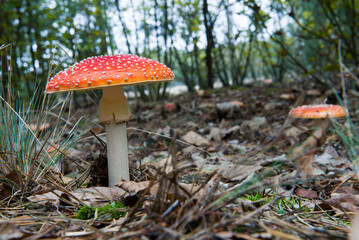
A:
<point x="110" y="211"/>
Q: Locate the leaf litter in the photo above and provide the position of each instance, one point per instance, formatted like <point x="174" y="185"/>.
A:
<point x="227" y="164"/>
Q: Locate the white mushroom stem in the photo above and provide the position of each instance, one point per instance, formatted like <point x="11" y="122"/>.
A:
<point x="117" y="154"/>
<point x="114" y="112"/>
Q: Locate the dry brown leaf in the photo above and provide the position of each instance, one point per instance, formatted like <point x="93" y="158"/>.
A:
<point x="238" y="172"/>
<point x="10" y="231"/>
<point x="344" y="201"/>
<point x="134" y="187"/>
<point x="294" y="132"/>
<point x="185" y="190"/>
<point x="330" y="160"/>
<point x="255" y="123"/>
<point x="95" y="196"/>
<point x="195" y="139"/>
<point x="306" y="193"/>
<point x="345" y="198"/>
<point x="216" y="134"/>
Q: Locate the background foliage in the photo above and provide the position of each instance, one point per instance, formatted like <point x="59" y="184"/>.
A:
<point x="204" y="41"/>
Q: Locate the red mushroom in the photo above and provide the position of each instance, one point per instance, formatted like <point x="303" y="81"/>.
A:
<point x="304" y="154"/>
<point x="112" y="73"/>
<point x="318" y="111"/>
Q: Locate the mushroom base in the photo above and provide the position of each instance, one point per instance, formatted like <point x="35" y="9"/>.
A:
<point x="114" y="106"/>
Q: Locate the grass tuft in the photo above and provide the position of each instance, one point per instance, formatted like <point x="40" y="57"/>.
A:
<point x="29" y="130"/>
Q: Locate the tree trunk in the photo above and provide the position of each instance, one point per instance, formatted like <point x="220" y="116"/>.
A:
<point x="210" y="45"/>
<point x="124" y="27"/>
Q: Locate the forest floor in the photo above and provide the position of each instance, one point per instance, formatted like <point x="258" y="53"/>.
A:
<point x="221" y="164"/>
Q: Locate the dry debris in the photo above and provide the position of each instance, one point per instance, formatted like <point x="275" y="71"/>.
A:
<point x="214" y="166"/>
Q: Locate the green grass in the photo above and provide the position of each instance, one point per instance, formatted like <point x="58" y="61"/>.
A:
<point x="24" y="146"/>
<point x="348" y="130"/>
<point x="28" y="130"/>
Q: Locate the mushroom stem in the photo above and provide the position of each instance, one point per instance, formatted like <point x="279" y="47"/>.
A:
<point x="117" y="153"/>
<point x="114" y="112"/>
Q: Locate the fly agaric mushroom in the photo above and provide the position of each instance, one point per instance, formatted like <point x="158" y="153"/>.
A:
<point x="112" y="73"/>
<point x="318" y="111"/>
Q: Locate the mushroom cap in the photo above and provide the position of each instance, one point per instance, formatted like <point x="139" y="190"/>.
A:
<point x="106" y="71"/>
<point x="318" y="111"/>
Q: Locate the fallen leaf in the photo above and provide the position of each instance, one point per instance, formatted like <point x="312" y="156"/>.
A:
<point x="134" y="187"/>
<point x="237" y="172"/>
<point x="93" y="197"/>
<point x="168" y="188"/>
<point x="306" y="193"/>
<point x="344" y="201"/>
<point x="294" y="132"/>
<point x="195" y="139"/>
<point x="10" y="231"/>
<point x="216" y="134"/>
<point x="232" y="132"/>
<point x="331" y="161"/>
<point x="255" y="123"/>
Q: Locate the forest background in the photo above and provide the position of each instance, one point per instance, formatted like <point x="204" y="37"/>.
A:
<point x="203" y="41"/>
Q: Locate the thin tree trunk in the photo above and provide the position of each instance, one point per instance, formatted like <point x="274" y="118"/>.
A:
<point x="248" y="59"/>
<point x="124" y="27"/>
<point x="210" y="45"/>
<point x="136" y="27"/>
<point x="197" y="66"/>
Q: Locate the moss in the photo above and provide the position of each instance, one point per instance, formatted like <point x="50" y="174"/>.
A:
<point x="282" y="205"/>
<point x="85" y="212"/>
<point x="256" y="197"/>
<point x="109" y="211"/>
